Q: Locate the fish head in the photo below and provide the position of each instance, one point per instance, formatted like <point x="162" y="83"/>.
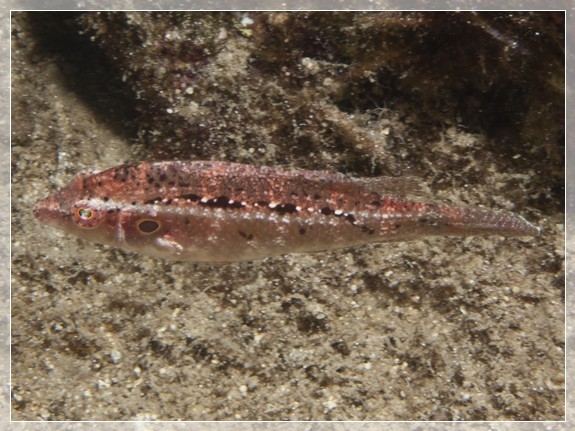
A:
<point x="76" y="210"/>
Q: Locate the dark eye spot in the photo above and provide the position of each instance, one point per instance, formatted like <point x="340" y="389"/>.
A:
<point x="248" y="236"/>
<point x="148" y="226"/>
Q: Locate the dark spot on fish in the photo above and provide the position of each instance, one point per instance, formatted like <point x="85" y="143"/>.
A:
<point x="110" y="211"/>
<point x="99" y="183"/>
<point x="350" y="218"/>
<point x="368" y="230"/>
<point x="228" y="203"/>
<point x="302" y="231"/>
<point x="148" y="226"/>
<point x="424" y="221"/>
<point x="293" y="194"/>
<point x="157" y="185"/>
<point x="122" y="172"/>
<point x="133" y="202"/>
<point x="163" y="177"/>
<point x="248" y="236"/>
<point x="326" y="211"/>
<point x="193" y="197"/>
<point x="263" y="203"/>
<point x="171" y="183"/>
<point x="105" y="198"/>
<point x="317" y="196"/>
<point x="286" y="208"/>
<point x="168" y="201"/>
<point x="376" y="203"/>
<point x="186" y="221"/>
<point x="153" y="200"/>
<point x="150" y="180"/>
<point x="219" y="202"/>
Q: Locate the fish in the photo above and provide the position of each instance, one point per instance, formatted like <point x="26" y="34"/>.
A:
<point x="221" y="212"/>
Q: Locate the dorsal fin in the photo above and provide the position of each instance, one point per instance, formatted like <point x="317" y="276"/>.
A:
<point x="409" y="188"/>
<point x="400" y="187"/>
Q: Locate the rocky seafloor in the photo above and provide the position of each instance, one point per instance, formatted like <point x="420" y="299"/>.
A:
<point x="441" y="329"/>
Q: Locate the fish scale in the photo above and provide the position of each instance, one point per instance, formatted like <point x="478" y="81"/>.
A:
<point x="225" y="212"/>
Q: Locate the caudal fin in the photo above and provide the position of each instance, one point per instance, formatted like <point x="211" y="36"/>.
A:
<point x="480" y="221"/>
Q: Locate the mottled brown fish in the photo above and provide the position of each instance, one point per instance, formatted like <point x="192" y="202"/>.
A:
<point x="225" y="212"/>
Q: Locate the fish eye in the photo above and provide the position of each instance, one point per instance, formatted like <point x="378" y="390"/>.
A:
<point x="87" y="217"/>
<point x="147" y="226"/>
<point x="85" y="214"/>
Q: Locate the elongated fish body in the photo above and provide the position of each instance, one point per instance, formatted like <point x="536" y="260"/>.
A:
<point x="226" y="212"/>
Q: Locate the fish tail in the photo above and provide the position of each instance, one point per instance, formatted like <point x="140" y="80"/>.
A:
<point x="481" y="221"/>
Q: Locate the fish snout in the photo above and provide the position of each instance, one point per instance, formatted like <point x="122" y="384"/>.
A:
<point x="49" y="211"/>
<point x="39" y="209"/>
